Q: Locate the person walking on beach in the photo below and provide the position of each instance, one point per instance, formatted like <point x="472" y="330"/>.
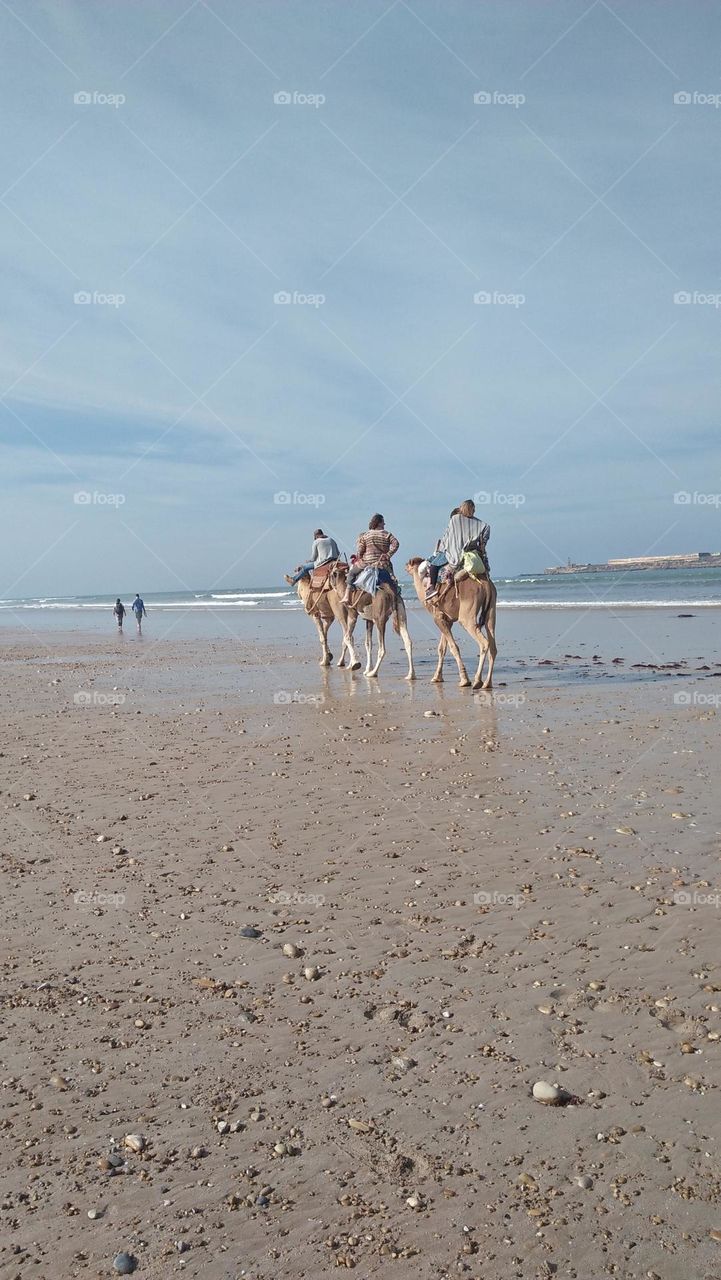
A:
<point x="376" y="545"/>
<point x="119" y="612"/>
<point x="140" y="612"/>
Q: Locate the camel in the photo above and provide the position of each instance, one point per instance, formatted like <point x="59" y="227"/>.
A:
<point x="324" y="606"/>
<point x="376" y="610"/>
<point x="472" y="602"/>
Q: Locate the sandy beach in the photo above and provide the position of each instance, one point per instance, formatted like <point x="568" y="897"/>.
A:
<point x="286" y="951"/>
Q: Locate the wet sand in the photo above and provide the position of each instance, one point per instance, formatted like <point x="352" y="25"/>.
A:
<point x="474" y="894"/>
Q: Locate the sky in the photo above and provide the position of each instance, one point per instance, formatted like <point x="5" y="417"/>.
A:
<point x="273" y="266"/>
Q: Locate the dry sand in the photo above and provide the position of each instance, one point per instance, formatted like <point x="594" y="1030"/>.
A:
<point x="499" y="893"/>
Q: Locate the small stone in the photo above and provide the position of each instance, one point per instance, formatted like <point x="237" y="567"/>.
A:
<point x="280" y="1149"/>
<point x="311" y="972"/>
<point x="403" y="1064"/>
<point x="715" y="1235"/>
<point x="596" y="986"/>
<point x="223" y="1126"/>
<point x="124" y="1264"/>
<point x="359" y="1126"/>
<point x="429" y="714"/>
<point x="58" y="1082"/>
<point x="249" y="932"/>
<point x="584" y="1181"/>
<point x="93" y="1214"/>
<point x="625" y="831"/>
<point x="29" y="796"/>
<point x="414" y="1202"/>
<point x="134" y="1142"/>
<point x="100" y="839"/>
<point x="687" y="1048"/>
<point x="291" y="951"/>
<point x="227" y="848"/>
<point x="197" y="1153"/>
<point x="550" y="1094"/>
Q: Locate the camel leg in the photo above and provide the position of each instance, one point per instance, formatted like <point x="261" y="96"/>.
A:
<point x="483" y="647"/>
<point x="407" y="645"/>
<point x="322" y="624"/>
<point x="492" y="650"/>
<point x="447" y="633"/>
<point x="437" y="677"/>
<point x="369" y="648"/>
<point x="381" y="629"/>
<point x="348" y="629"/>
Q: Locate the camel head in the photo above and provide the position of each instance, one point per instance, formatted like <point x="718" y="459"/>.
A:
<point x="412" y="565"/>
<point x="338" y="575"/>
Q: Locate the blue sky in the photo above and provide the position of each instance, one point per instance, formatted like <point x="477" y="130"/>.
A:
<point x="580" y="398"/>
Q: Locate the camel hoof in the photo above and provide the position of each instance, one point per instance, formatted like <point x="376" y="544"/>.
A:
<point x="355" y="666"/>
<point x="436" y="679"/>
<point x="465" y="684"/>
<point x="411" y="675"/>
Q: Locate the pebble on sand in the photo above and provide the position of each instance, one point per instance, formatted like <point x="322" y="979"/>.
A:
<point x="249" y="932"/>
<point x="551" y="1094"/>
<point x="291" y="950"/>
<point x="134" y="1142"/>
<point x="124" y="1263"/>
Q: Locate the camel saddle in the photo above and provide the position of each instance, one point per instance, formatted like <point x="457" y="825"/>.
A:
<point x="319" y="577"/>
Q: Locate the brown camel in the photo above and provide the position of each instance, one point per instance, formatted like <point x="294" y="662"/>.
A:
<point x="376" y="610"/>
<point x="324" y="606"/>
<point x="472" y="602"/>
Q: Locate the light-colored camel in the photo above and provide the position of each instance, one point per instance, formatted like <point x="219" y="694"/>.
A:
<point x="471" y="602"/>
<point x="376" y="610"/>
<point x="325" y="606"/>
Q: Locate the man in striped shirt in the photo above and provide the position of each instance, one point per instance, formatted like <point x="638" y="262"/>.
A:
<point x="375" y="548"/>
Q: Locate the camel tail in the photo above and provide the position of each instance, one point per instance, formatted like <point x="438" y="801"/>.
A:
<point x="486" y="601"/>
<point x="399" y="615"/>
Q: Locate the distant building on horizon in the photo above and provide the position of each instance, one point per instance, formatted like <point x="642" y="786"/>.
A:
<point x="684" y="560"/>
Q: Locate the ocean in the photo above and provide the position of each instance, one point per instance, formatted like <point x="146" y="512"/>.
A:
<point x="632" y="589"/>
